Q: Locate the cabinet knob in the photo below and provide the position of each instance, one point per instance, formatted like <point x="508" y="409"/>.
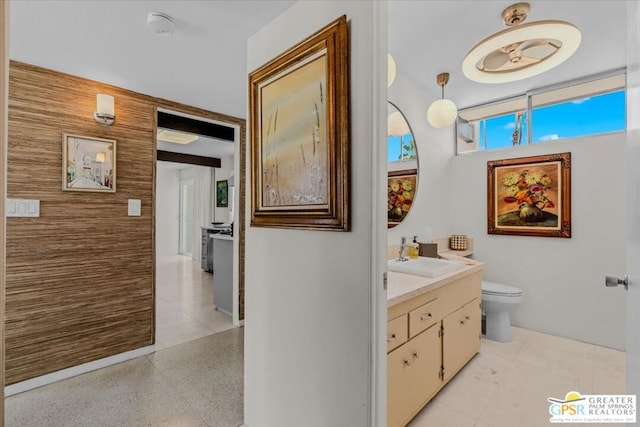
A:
<point x="428" y="316"/>
<point x="462" y="322"/>
<point x="416" y="355"/>
<point x="393" y="337"/>
<point x="407" y="363"/>
<point x="466" y="317"/>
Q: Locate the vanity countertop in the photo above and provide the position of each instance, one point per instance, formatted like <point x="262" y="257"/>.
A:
<point x="402" y="287"/>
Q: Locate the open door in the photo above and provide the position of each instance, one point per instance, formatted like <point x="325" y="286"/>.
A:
<point x="633" y="198"/>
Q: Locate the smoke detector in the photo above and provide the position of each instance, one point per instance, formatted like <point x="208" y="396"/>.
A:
<point x="160" y="23"/>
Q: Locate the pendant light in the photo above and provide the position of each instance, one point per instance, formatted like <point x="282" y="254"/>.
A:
<point x="443" y="112"/>
<point x="391" y="70"/>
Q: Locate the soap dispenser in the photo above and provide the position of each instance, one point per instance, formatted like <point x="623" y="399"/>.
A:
<point x="414" y="250"/>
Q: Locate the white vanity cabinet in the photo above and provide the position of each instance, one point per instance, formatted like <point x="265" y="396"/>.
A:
<point x="431" y="335"/>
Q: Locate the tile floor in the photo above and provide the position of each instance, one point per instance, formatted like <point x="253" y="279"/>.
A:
<point x="184" y="302"/>
<point x="508" y="384"/>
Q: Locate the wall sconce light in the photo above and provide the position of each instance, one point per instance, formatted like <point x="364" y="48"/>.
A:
<point x="101" y="157"/>
<point x="443" y="112"/>
<point x="104" y="113"/>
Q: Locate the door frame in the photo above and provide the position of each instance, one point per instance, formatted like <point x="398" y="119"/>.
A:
<point x="239" y="169"/>
<point x="181" y="232"/>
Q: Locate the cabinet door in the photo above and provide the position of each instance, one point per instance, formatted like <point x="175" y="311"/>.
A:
<point x="412" y="376"/>
<point x="461" y="338"/>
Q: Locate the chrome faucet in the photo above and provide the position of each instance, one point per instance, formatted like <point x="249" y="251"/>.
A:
<point x="403" y="245"/>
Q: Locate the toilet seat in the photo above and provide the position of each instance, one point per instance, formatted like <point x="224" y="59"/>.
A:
<point x="498" y="289"/>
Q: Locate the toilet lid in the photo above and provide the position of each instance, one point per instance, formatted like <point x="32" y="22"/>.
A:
<point x="491" y="288"/>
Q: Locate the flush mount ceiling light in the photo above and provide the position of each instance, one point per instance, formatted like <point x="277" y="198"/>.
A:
<point x="521" y="51"/>
<point x="443" y="112"/>
<point x="160" y="23"/>
<point x="176" y="137"/>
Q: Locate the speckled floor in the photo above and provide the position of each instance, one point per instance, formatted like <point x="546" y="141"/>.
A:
<point x="198" y="383"/>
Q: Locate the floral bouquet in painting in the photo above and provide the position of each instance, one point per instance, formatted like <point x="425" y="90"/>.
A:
<point x="527" y="190"/>
<point x="400" y="192"/>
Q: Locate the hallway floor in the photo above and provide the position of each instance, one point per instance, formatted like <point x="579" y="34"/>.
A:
<point x="184" y="302"/>
<point x="194" y="384"/>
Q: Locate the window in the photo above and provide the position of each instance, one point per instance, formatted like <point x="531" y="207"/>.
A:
<point x="580" y="117"/>
<point x="590" y="106"/>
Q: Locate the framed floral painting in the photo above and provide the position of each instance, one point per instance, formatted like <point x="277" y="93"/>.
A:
<point x="530" y="196"/>
<point x="401" y="189"/>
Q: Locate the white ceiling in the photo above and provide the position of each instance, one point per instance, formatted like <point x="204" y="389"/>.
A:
<point x="204" y="62"/>
<point x="430" y="37"/>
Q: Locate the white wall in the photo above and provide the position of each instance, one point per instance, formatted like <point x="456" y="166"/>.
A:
<point x="223" y="172"/>
<point x="562" y="279"/>
<point x="167" y="211"/>
<point x="309" y="294"/>
<point x="435" y="152"/>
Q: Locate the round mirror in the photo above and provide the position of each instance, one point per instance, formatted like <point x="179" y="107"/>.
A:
<point x="402" y="160"/>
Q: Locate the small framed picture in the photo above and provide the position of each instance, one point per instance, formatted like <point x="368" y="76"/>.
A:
<point x="88" y="164"/>
<point x="222" y="194"/>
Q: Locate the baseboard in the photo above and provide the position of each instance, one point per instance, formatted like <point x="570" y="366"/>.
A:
<point x="222" y="310"/>
<point x="73" y="371"/>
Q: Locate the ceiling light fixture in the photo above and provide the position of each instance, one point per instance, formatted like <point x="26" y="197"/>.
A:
<point x="391" y="70"/>
<point x="521" y="51"/>
<point x="176" y="137"/>
<point x="160" y="23"/>
<point x="443" y="112"/>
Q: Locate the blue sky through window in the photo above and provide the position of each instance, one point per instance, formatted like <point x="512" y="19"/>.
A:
<point x="587" y="116"/>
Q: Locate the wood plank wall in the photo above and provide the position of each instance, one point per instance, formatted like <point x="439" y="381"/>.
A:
<point x="81" y="277"/>
<point x="4" y="80"/>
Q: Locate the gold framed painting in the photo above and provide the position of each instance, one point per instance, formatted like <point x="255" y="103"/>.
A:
<point x="401" y="190"/>
<point x="88" y="164"/>
<point x="530" y="196"/>
<point x="299" y="121"/>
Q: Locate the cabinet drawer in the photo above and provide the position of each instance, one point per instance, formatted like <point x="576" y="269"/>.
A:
<point x="396" y="332"/>
<point x="424" y="316"/>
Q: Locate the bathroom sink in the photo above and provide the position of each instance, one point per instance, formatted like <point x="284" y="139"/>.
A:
<point x="424" y="266"/>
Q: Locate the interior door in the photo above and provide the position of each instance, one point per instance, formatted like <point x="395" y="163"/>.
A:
<point x="633" y="189"/>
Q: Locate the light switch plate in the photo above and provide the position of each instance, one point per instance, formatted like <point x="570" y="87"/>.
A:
<point x="25" y="208"/>
<point x="135" y="207"/>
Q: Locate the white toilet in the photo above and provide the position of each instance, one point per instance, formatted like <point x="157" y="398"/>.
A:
<point x="497" y="301"/>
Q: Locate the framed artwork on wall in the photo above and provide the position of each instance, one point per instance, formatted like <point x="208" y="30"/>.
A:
<point x="88" y="164"/>
<point x="401" y="189"/>
<point x="222" y="194"/>
<point x="299" y="118"/>
<point x="530" y="196"/>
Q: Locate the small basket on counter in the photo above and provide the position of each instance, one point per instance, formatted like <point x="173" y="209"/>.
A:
<point x="458" y="242"/>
